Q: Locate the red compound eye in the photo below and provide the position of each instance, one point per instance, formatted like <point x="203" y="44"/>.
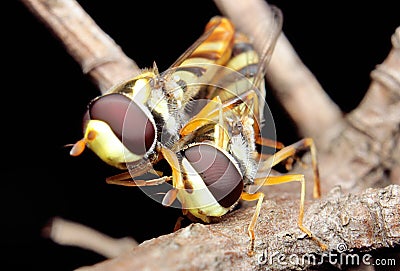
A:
<point x="126" y="119"/>
<point x="218" y="172"/>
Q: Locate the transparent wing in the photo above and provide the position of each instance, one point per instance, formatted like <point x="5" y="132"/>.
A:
<point x="269" y="44"/>
<point x="246" y="69"/>
<point x="193" y="70"/>
<point x="197" y="43"/>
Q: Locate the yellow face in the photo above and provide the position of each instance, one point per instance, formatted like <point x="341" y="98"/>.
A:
<point x="100" y="138"/>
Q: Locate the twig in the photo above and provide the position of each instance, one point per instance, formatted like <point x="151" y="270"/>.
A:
<point x="349" y="224"/>
<point x="356" y="151"/>
<point x="293" y="83"/>
<point x="366" y="151"/>
<point x="100" y="58"/>
<point x="69" y="233"/>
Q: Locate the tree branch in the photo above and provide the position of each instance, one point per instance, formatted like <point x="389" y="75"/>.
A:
<point x="349" y="224"/>
<point x="98" y="55"/>
<point x="294" y="85"/>
<point x="365" y="152"/>
<point x="69" y="233"/>
<point x="356" y="151"/>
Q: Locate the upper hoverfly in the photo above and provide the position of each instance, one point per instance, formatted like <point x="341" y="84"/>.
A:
<point x="123" y="127"/>
<point x="212" y="152"/>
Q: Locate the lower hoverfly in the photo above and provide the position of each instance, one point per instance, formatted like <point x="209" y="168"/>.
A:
<point x="212" y="152"/>
<point x="220" y="165"/>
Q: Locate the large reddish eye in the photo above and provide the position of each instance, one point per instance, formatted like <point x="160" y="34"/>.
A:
<point x="127" y="120"/>
<point x="218" y="172"/>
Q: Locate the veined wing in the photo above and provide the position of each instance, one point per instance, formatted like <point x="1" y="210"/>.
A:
<point x="246" y="68"/>
<point x="213" y="46"/>
<point x="196" y="66"/>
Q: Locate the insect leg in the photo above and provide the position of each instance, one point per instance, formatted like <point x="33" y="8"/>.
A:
<point x="251" y="99"/>
<point x="177" y="179"/>
<point x="213" y="110"/>
<point x="269" y="142"/>
<point x="220" y="131"/>
<point x="125" y="179"/>
<point x="178" y="223"/>
<point x="202" y="120"/>
<point x="290" y="151"/>
<point x="250" y="197"/>
<point x="274" y="180"/>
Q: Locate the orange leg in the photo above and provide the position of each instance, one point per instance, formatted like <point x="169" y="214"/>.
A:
<point x="214" y="109"/>
<point x="281" y="155"/>
<point x="178" y="223"/>
<point x="274" y="180"/>
<point x="269" y="142"/>
<point x="290" y="151"/>
<point x="250" y="230"/>
<point x="125" y="179"/>
<point x="202" y="120"/>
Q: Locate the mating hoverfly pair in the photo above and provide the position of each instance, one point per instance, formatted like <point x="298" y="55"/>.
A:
<point x="203" y="116"/>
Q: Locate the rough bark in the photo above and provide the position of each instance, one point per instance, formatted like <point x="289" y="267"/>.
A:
<point x="352" y="224"/>
<point x="356" y="151"/>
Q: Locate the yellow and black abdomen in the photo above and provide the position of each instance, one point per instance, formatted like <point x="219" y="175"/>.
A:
<point x="200" y="66"/>
<point x="217" y="47"/>
<point x="239" y="75"/>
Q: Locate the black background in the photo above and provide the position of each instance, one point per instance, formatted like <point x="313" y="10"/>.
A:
<point x="44" y="95"/>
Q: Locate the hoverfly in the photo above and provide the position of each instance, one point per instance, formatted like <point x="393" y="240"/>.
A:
<point x="151" y="103"/>
<point x="212" y="153"/>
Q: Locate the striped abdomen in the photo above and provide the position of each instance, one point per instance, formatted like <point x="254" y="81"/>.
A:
<point x="240" y="75"/>
<point x="202" y="64"/>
